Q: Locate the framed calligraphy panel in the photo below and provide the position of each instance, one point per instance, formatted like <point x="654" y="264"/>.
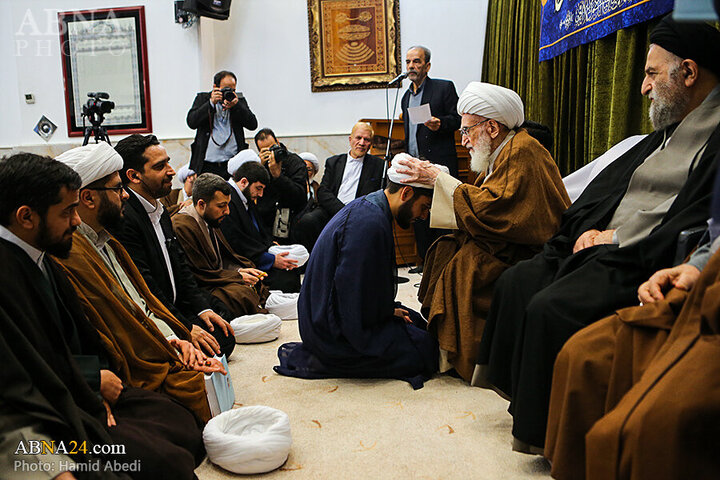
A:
<point x="105" y="51"/>
<point x="354" y="44"/>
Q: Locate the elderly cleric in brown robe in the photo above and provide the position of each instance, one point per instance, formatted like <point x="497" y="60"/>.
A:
<point x="513" y="207"/>
<point x="226" y="275"/>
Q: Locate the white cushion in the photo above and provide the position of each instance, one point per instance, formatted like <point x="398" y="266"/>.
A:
<point x="295" y="252"/>
<point x="284" y="305"/>
<point x="256" y="328"/>
<point x="576" y="182"/>
<point x="248" y="439"/>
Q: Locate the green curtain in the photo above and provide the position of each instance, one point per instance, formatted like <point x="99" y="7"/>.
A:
<point x="589" y="96"/>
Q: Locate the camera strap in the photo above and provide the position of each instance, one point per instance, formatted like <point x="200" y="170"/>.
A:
<point x="211" y="120"/>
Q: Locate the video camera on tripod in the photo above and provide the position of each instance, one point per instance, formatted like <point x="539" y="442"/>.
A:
<point x="94" y="110"/>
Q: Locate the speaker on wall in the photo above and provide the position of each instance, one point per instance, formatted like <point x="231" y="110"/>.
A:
<point x="217" y="9"/>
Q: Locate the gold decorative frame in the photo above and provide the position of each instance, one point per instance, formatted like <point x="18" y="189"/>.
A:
<point x="354" y="44"/>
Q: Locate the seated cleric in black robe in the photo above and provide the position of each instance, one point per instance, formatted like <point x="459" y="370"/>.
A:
<point x="56" y="384"/>
<point x="622" y="229"/>
<point x="349" y="321"/>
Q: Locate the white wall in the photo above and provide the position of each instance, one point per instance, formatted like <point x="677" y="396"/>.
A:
<point x="265" y="42"/>
<point x="30" y="59"/>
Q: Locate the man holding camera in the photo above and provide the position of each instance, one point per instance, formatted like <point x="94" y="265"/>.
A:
<point x="219" y="117"/>
<point x="286" y="194"/>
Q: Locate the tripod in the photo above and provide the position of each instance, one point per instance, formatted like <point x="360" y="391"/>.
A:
<point x="96" y="130"/>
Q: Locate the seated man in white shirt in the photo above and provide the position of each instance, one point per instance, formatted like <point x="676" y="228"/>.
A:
<point x="347" y="176"/>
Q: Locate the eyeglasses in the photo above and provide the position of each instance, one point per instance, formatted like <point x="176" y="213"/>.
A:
<point x="466" y="130"/>
<point x="117" y="189"/>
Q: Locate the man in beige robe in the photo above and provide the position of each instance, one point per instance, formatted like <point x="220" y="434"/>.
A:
<point x="147" y="346"/>
<point x="231" y="278"/>
<point x="513" y="207"/>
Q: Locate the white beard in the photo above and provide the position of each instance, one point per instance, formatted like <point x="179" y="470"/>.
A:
<point x="480" y="157"/>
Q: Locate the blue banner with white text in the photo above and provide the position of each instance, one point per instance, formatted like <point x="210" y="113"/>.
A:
<point x="569" y="23"/>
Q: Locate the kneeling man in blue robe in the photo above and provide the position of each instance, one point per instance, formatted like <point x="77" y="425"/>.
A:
<point x="349" y="321"/>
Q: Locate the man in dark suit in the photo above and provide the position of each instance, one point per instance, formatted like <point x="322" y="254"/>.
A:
<point x="433" y="140"/>
<point x="347" y="176"/>
<point x="246" y="234"/>
<point x="219" y="118"/>
<point x="147" y="235"/>
<point x="285" y="196"/>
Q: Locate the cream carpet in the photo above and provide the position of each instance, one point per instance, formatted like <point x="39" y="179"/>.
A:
<point x="380" y="429"/>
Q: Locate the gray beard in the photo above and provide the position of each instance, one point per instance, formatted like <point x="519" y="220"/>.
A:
<point x="480" y="157"/>
<point x="662" y="115"/>
<point x="669" y="103"/>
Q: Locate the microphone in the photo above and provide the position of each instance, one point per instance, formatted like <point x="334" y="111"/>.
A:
<point x="399" y="78"/>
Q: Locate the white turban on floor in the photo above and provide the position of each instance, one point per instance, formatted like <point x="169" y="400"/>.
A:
<point x="492" y="101"/>
<point x="284" y="305"/>
<point x="248" y="440"/>
<point x="310" y="157"/>
<point x="92" y="161"/>
<point x="184" y="172"/>
<point x="257" y="328"/>
<point x="242" y="156"/>
<point x="396" y="177"/>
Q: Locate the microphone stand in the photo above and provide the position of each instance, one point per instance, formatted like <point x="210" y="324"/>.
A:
<point x="388" y="159"/>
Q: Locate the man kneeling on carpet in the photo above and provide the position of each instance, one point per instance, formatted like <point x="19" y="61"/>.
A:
<point x="349" y="321"/>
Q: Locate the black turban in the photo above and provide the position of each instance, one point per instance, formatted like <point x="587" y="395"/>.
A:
<point x="694" y="40"/>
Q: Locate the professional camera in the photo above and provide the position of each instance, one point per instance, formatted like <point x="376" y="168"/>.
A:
<point x="280" y="151"/>
<point x="228" y="94"/>
<point x="98" y="104"/>
<point x="94" y="110"/>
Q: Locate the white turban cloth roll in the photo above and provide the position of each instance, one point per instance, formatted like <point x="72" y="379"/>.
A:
<point x="242" y="156"/>
<point x="92" y="161"/>
<point x="248" y="439"/>
<point x="184" y="172"/>
<point x="310" y="157"/>
<point x="492" y="101"/>
<point x="396" y="177"/>
<point x="257" y="328"/>
<point x="295" y="252"/>
<point x="284" y="305"/>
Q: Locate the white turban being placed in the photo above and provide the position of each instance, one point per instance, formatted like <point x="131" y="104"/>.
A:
<point x="92" y="162"/>
<point x="184" y="172"/>
<point x="492" y="101"/>
<point x="395" y="177"/>
<point x="242" y="156"/>
<point x="310" y="157"/>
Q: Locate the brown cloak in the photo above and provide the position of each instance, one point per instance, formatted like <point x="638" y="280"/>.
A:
<point x="172" y="201"/>
<point x="218" y="275"/>
<point x="666" y="426"/>
<point x="501" y="221"/>
<point x="140" y="354"/>
<point x="593" y="371"/>
<point x="656" y="380"/>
